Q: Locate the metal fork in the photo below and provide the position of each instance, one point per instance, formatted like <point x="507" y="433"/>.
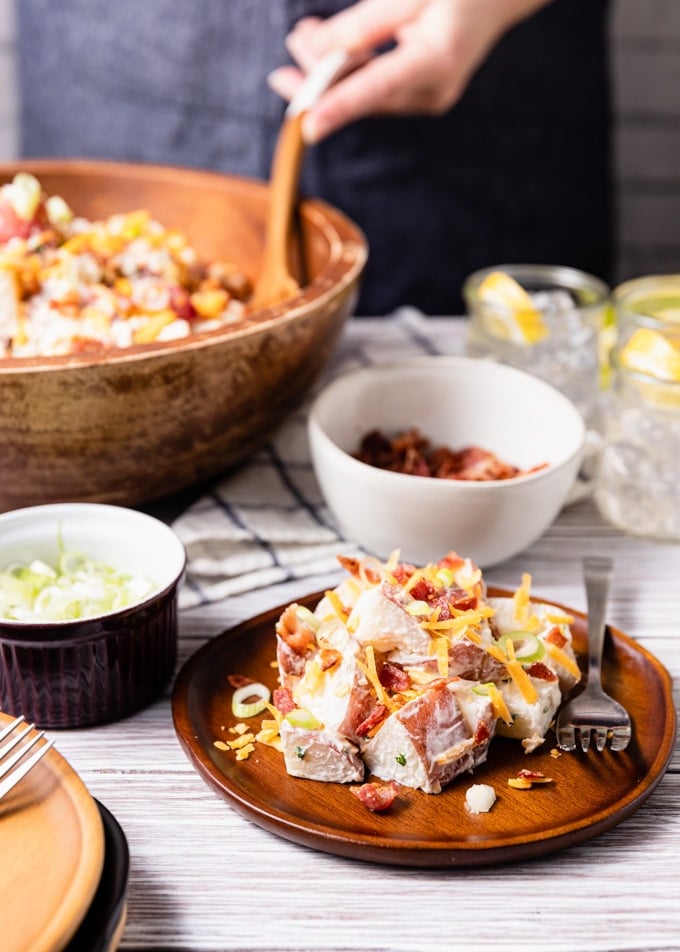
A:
<point x="14" y="765"/>
<point x="593" y="710"/>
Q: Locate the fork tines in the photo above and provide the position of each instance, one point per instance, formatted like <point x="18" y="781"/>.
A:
<point x="14" y="764"/>
<point x="619" y="736"/>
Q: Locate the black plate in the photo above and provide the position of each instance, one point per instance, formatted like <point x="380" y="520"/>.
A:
<point x="103" y="919"/>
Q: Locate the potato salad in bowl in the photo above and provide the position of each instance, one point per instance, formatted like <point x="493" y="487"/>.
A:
<point x="71" y="285"/>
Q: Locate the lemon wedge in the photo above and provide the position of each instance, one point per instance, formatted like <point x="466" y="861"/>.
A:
<point x="652" y="353"/>
<point x="509" y="311"/>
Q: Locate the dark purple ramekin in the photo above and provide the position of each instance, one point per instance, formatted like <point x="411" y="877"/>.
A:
<point x="95" y="670"/>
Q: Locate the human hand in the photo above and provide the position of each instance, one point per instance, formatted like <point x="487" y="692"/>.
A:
<point x="435" y="46"/>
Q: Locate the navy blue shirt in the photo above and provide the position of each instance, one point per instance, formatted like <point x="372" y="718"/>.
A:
<point x="517" y="171"/>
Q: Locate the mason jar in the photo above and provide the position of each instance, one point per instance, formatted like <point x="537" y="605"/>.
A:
<point x="574" y="307"/>
<point x="638" y="480"/>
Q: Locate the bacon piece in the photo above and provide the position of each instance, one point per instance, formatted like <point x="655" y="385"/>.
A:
<point x="85" y="345"/>
<point x="328" y="658"/>
<point x="525" y="779"/>
<point x="283" y="700"/>
<point x="482" y="733"/>
<point x="423" y="590"/>
<point x="377" y="715"/>
<point x="555" y="637"/>
<point x="470" y="463"/>
<point x="535" y="776"/>
<point x="180" y="302"/>
<point x="238" y="680"/>
<point x="461" y="600"/>
<point x="393" y="677"/>
<point x="403" y="572"/>
<point x="299" y="637"/>
<point x="412" y="453"/>
<point x="354" y="568"/>
<point x="376" y="796"/>
<point x="541" y="671"/>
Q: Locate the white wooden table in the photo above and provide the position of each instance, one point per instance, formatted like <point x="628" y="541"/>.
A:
<point x="205" y="878"/>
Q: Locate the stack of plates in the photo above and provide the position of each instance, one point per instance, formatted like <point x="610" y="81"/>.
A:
<point x="63" y="864"/>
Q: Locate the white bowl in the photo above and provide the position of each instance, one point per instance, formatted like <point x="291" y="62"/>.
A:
<point x="456" y="402"/>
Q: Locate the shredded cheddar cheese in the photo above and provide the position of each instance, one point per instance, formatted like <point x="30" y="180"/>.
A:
<point x="275" y="713"/>
<point x="415" y="578"/>
<point x="498" y="704"/>
<point x="455" y="752"/>
<point x="441" y="650"/>
<point x="337" y="605"/>
<point x="520" y="677"/>
<point x="244" y="752"/>
<point x="561" y="657"/>
<point x="559" y="619"/>
<point x="474" y="637"/>
<point x="371" y="672"/>
<point x="522" y="606"/>
<point x="453" y="626"/>
<point x="241" y="741"/>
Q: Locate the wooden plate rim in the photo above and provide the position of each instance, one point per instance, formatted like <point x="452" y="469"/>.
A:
<point x="61" y="923"/>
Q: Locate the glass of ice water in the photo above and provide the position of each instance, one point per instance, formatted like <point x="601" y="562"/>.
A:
<point x="638" y="480"/>
<point x="552" y="327"/>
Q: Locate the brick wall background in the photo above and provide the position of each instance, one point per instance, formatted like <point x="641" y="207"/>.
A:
<point x="645" y="43"/>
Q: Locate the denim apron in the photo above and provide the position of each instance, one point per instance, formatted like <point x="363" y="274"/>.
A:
<point x="517" y="171"/>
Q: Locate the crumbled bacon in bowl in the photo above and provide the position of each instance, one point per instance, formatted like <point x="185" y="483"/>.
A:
<point x="413" y="454"/>
<point x="460" y="402"/>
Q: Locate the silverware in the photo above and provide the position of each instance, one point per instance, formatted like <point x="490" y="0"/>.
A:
<point x="594" y="711"/>
<point x="14" y="765"/>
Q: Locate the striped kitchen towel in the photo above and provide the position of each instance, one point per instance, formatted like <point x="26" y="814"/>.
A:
<point x="267" y="522"/>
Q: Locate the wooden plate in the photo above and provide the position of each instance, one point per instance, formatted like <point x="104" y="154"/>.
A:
<point x="590" y="792"/>
<point x="51" y="856"/>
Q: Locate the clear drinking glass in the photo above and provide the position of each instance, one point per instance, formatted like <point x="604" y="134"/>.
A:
<point x="638" y="480"/>
<point x="573" y="306"/>
<point x="651" y="302"/>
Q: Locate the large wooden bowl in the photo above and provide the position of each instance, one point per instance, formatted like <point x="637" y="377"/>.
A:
<point x="142" y="423"/>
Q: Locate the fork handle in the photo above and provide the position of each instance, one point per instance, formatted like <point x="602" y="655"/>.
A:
<point x="597" y="574"/>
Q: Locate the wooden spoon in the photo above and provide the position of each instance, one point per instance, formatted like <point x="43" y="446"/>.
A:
<point x="274" y="282"/>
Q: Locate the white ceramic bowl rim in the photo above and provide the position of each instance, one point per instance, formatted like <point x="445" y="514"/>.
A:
<point x="320" y="408"/>
<point x="129" y="540"/>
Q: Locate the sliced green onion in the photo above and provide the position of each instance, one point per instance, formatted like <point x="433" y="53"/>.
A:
<point x="77" y="587"/>
<point x="301" y="717"/>
<point x="527" y="646"/>
<point x="243" y="707"/>
<point x="58" y="212"/>
<point x="307" y="617"/>
<point x="417" y="607"/>
<point x="482" y="689"/>
<point x="24" y="193"/>
<point x="445" y="577"/>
